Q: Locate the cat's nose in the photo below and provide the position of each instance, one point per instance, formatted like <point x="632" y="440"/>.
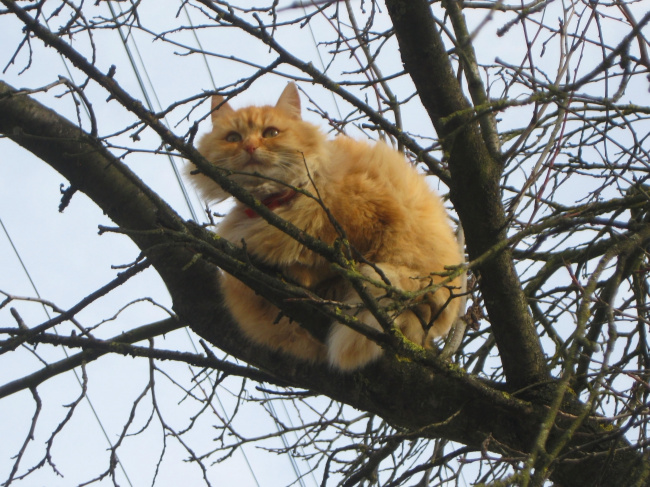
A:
<point x="250" y="147"/>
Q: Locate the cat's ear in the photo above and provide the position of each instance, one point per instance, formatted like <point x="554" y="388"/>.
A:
<point x="289" y="101"/>
<point x="217" y="110"/>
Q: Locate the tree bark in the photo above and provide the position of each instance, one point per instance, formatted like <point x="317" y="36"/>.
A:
<point x="474" y="188"/>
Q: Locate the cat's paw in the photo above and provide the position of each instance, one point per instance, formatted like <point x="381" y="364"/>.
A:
<point x="348" y="350"/>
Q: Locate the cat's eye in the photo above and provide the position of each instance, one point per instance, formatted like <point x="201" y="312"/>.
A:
<point x="233" y="137"/>
<point x="270" y="132"/>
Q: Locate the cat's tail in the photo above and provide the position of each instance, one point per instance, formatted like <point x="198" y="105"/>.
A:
<point x="349" y="350"/>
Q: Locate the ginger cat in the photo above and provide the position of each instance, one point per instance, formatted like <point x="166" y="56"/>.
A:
<point x="387" y="211"/>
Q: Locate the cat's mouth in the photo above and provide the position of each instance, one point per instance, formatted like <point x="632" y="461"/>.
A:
<point x="253" y="163"/>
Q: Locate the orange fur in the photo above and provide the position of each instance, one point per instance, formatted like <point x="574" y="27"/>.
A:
<point x="385" y="207"/>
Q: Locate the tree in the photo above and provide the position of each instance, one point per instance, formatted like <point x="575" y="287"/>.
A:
<point x="544" y="152"/>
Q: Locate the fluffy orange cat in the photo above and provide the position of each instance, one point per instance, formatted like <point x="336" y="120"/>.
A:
<point x="387" y="211"/>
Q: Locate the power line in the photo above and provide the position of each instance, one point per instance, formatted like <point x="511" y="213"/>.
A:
<point x="141" y="74"/>
<point x="320" y="57"/>
<point x="148" y="100"/>
<point x="65" y="352"/>
<point x="38" y="295"/>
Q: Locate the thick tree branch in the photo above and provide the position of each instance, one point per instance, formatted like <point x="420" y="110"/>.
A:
<point x="475" y="189"/>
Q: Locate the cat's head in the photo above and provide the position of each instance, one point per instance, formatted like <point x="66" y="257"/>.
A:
<point x="261" y="145"/>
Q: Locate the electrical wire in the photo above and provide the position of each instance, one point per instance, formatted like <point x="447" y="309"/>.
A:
<point x="150" y="96"/>
<point x="148" y="99"/>
<point x="320" y="57"/>
<point x="87" y="397"/>
<point x="33" y="285"/>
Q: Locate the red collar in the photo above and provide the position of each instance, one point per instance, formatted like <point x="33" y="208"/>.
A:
<point x="274" y="201"/>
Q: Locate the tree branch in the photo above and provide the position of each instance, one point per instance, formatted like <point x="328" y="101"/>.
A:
<point x="474" y="186"/>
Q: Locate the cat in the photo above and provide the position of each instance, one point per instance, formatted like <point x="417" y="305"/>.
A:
<point x="388" y="213"/>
